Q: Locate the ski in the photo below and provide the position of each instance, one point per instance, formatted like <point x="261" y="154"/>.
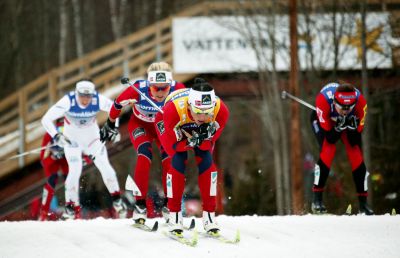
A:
<point x="179" y="237"/>
<point x="145" y="227"/>
<point x="223" y="238"/>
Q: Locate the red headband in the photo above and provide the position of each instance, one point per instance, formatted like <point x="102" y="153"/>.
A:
<point x="346" y="98"/>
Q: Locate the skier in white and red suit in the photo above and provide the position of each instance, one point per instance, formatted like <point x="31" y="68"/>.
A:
<point x="141" y="128"/>
<point x="192" y="119"/>
<point x="340" y="114"/>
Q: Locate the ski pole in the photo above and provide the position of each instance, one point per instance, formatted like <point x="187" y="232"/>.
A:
<point x="285" y="94"/>
<point x="128" y="82"/>
<point x="28" y="152"/>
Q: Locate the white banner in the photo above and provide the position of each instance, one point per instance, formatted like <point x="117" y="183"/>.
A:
<point x="227" y="43"/>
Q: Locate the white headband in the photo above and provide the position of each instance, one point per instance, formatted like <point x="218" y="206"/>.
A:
<point x="159" y="77"/>
<point x="202" y="99"/>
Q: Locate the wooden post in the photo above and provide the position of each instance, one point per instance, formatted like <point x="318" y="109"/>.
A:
<point x="22" y="125"/>
<point x="295" y="159"/>
<point x="52" y="88"/>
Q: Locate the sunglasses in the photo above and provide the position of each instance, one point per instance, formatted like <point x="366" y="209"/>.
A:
<point x="199" y="111"/>
<point x="157" y="89"/>
<point x="344" y="107"/>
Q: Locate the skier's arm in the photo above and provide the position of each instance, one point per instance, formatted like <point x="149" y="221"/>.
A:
<point x="128" y="96"/>
<point x="361" y="112"/>
<point x="55" y="112"/>
<point x="170" y="136"/>
<point x="323" y="112"/>
<point x="105" y="103"/>
<point x="221" y="120"/>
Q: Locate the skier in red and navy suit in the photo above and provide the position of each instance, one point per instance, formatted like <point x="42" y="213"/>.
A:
<point x="193" y="119"/>
<point x="141" y="128"/>
<point x="340" y="114"/>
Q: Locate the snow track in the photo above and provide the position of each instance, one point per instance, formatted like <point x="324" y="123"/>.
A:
<point x="274" y="236"/>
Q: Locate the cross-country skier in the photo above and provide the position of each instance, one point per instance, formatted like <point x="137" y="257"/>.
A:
<point x="193" y="119"/>
<point x="81" y="135"/>
<point x="53" y="160"/>
<point x="142" y="133"/>
<point x="340" y="114"/>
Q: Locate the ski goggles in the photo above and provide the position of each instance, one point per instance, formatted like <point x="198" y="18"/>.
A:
<point x="155" y="88"/>
<point x="199" y="111"/>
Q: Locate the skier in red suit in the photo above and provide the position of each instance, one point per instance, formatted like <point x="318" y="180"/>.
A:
<point x="141" y="128"/>
<point x="340" y="114"/>
<point x="53" y="161"/>
<point x="192" y="119"/>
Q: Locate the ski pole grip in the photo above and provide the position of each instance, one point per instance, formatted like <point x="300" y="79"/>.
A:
<point x="125" y="80"/>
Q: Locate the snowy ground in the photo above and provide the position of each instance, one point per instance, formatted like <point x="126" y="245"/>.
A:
<point x="277" y="236"/>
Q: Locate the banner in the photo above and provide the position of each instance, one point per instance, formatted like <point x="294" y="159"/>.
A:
<point x="243" y="44"/>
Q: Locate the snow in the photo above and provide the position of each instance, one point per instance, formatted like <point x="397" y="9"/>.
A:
<point x="261" y="236"/>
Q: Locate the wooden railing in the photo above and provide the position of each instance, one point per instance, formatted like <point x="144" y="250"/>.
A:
<point x="20" y="128"/>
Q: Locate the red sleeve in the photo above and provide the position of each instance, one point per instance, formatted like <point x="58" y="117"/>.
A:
<point x="128" y="94"/>
<point x="360" y="111"/>
<point x="323" y="112"/>
<point x="221" y="119"/>
<point x="179" y="86"/>
<point x="165" y="125"/>
<point x="45" y="141"/>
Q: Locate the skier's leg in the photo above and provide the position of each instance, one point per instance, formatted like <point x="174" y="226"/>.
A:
<point x="108" y="175"/>
<point x="321" y="173"/>
<point x="166" y="166"/>
<point x="360" y="175"/>
<point x="73" y="154"/>
<point x="47" y="196"/>
<point x="175" y="181"/>
<point x="208" y="176"/>
<point x="141" y="137"/>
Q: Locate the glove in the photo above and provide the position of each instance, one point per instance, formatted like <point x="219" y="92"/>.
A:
<point x="108" y="132"/>
<point x="60" y="140"/>
<point x="207" y="130"/>
<point x="340" y="123"/>
<point x="57" y="152"/>
<point x="352" y="122"/>
<point x="196" y="139"/>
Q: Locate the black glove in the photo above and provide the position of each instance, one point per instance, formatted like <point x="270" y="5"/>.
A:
<point x="207" y="130"/>
<point x="340" y="123"/>
<point x="352" y="122"/>
<point x="57" y="152"/>
<point x="108" y="132"/>
<point x="60" y="140"/>
<point x="196" y="139"/>
<point x="332" y="136"/>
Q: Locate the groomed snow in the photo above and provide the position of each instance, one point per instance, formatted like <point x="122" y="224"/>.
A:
<point x="275" y="236"/>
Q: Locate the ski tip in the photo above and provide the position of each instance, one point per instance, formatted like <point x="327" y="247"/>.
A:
<point x="348" y="210"/>
<point x="155" y="227"/>
<point x="393" y="212"/>
<point x="192" y="224"/>
<point x="237" y="238"/>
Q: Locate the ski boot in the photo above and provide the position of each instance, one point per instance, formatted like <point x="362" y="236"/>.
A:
<point x="69" y="212"/>
<point x="139" y="212"/>
<point x="165" y="210"/>
<point x="364" y="208"/>
<point x="120" y="208"/>
<point x="209" y="223"/>
<point x="317" y="206"/>
<point x="175" y="223"/>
